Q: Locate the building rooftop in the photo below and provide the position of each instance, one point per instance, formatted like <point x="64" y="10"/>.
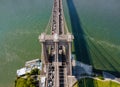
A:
<point x="29" y="65"/>
<point x="21" y="71"/>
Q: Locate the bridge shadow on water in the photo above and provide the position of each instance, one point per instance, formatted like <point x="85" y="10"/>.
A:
<point x="80" y="44"/>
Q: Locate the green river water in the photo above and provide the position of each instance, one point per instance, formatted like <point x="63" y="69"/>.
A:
<point x="95" y="25"/>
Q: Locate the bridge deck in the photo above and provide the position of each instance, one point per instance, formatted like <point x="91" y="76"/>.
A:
<point x="56" y="49"/>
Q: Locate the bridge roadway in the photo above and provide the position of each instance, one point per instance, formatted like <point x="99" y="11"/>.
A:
<point x="56" y="50"/>
<point x="57" y="72"/>
<point x="57" y="22"/>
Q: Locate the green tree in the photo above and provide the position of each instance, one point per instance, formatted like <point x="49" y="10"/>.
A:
<point x="35" y="71"/>
<point x="28" y="80"/>
<point x="21" y="82"/>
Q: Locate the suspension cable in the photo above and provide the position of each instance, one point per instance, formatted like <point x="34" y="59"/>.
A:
<point x="49" y="22"/>
<point x="65" y="24"/>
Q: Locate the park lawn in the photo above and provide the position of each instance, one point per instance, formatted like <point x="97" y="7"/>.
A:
<point x="89" y="82"/>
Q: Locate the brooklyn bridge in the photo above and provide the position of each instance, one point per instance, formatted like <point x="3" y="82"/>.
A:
<point x="56" y="50"/>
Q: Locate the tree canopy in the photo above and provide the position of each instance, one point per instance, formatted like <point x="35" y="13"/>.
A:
<point x="27" y="81"/>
